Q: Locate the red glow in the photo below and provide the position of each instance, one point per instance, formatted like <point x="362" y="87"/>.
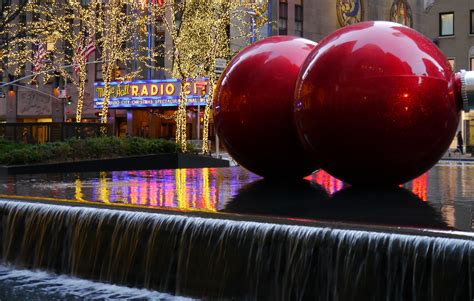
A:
<point x="328" y="182"/>
<point x="420" y="185"/>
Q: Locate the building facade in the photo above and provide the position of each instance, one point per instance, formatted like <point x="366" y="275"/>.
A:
<point x="450" y="24"/>
<point x="314" y="19"/>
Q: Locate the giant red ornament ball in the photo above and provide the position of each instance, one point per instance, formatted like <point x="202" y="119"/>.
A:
<point x="253" y="108"/>
<point x="376" y="104"/>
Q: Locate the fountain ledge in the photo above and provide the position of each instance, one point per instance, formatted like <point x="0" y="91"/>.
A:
<point x="235" y="257"/>
<point x="144" y="162"/>
<point x="428" y="232"/>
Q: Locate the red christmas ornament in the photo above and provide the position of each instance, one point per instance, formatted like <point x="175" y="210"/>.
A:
<point x="253" y="108"/>
<point x="376" y="103"/>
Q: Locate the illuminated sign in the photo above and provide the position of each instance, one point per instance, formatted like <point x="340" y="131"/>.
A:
<point x="152" y="93"/>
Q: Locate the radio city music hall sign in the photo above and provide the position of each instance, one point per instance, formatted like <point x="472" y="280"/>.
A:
<point x="151" y="93"/>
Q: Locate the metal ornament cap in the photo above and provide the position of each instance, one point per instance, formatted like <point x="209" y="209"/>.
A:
<point x="467" y="89"/>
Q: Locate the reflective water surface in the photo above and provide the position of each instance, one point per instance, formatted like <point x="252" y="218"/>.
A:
<point x="442" y="198"/>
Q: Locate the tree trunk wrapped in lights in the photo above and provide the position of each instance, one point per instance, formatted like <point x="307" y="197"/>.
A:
<point x="81" y="90"/>
<point x="207" y="115"/>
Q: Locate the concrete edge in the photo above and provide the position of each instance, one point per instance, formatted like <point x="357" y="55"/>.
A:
<point x="434" y="233"/>
<point x="143" y="162"/>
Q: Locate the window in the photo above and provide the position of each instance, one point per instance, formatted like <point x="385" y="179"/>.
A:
<point x="298" y="20"/>
<point x="471" y="30"/>
<point x="4" y="4"/>
<point x="98" y="72"/>
<point x="160" y="49"/>
<point x="178" y="16"/>
<point x="471" y="63"/>
<point x="283" y="20"/>
<point x="97" y="66"/>
<point x="446" y="24"/>
<point x="452" y="62"/>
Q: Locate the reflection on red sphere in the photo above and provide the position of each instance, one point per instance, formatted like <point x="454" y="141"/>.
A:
<point x="376" y="103"/>
<point x="253" y="108"/>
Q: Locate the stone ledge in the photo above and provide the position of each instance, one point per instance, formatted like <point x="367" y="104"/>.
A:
<point x="144" y="162"/>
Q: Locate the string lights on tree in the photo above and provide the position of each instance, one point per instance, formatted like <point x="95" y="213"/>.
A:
<point x="197" y="33"/>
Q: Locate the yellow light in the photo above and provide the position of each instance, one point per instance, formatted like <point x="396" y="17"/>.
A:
<point x="144" y="4"/>
<point x="198" y="37"/>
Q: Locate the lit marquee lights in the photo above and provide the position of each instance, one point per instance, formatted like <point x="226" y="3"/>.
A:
<point x="151" y="93"/>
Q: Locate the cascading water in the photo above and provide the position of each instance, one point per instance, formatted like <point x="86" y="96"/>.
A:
<point x="29" y="285"/>
<point x="217" y="258"/>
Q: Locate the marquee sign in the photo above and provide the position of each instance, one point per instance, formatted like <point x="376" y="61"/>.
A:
<point x="152" y="93"/>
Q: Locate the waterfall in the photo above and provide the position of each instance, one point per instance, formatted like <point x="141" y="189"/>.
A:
<point x="218" y="258"/>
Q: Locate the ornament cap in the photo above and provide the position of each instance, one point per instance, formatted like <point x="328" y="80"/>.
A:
<point x="467" y="89"/>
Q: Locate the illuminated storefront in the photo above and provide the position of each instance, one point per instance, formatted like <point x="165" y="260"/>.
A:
<point x="147" y="108"/>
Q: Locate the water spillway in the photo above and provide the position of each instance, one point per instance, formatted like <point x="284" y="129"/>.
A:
<point x="231" y="259"/>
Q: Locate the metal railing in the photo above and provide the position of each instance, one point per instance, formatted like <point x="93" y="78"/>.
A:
<point x="43" y="132"/>
<point x="197" y="144"/>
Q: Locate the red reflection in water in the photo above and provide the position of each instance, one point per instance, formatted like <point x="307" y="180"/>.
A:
<point x="328" y="182"/>
<point x="420" y="186"/>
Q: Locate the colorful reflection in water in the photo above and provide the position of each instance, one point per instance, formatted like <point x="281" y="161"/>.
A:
<point x="199" y="189"/>
<point x="418" y="186"/>
<point x="445" y="189"/>
<point x="328" y="182"/>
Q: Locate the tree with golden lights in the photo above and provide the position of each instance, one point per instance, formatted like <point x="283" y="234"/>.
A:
<point x="11" y="27"/>
<point x="199" y="33"/>
<point x="118" y="23"/>
<point x="79" y="28"/>
<point x="113" y="24"/>
<point x="21" y="37"/>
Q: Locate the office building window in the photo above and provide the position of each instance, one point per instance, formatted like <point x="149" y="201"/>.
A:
<point x="283" y="19"/>
<point x="4" y="4"/>
<point x="471" y="24"/>
<point x="446" y="24"/>
<point x="98" y="66"/>
<point x="98" y="72"/>
<point x="298" y="20"/>
<point x="471" y="63"/>
<point x="160" y="49"/>
<point x="452" y="62"/>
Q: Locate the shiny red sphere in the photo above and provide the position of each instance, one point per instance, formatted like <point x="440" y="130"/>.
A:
<point x="253" y="112"/>
<point x="376" y="104"/>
